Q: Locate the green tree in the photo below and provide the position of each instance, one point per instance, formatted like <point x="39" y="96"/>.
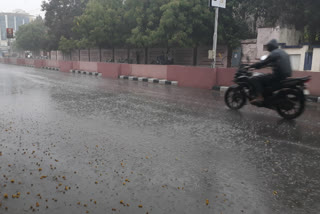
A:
<point x="59" y="18"/>
<point x="32" y="36"/>
<point x="183" y="23"/>
<point x="67" y="45"/>
<point x="232" y="27"/>
<point x="102" y="24"/>
<point x="144" y="17"/>
<point x="303" y="14"/>
<point x="189" y="23"/>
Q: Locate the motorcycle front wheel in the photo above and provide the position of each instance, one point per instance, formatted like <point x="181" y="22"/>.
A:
<point x="293" y="104"/>
<point x="235" y="98"/>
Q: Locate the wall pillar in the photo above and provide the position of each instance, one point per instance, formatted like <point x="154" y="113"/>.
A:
<point x="316" y="59"/>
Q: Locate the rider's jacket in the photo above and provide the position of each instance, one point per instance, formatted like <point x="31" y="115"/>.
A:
<point x="279" y="61"/>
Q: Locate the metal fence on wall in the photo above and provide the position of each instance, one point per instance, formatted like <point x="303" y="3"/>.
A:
<point x="181" y="56"/>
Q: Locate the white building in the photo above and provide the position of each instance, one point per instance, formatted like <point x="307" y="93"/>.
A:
<point x="11" y="20"/>
<point x="302" y="56"/>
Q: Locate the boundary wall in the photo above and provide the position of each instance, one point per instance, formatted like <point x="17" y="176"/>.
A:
<point x="187" y="76"/>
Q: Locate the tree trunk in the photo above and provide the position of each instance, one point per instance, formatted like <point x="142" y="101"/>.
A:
<point x="195" y="55"/>
<point x="113" y="55"/>
<point x="146" y="54"/>
<point x="229" y="57"/>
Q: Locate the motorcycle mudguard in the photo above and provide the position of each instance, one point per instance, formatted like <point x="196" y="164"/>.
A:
<point x="280" y="98"/>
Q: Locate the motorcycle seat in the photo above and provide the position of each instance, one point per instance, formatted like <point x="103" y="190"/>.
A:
<point x="289" y="80"/>
<point x="285" y="83"/>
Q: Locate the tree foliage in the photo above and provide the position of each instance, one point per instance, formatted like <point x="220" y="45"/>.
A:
<point x="32" y="36"/>
<point x="144" y="16"/>
<point x="102" y="24"/>
<point x="183" y="23"/>
<point x="146" y="23"/>
<point x="302" y="14"/>
<point x="170" y="23"/>
<point x="59" y="18"/>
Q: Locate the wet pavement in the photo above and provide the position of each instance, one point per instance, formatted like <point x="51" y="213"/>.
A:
<point x="73" y="143"/>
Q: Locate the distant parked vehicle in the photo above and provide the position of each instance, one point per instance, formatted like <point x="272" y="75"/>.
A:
<point x="124" y="61"/>
<point x="164" y="59"/>
<point x="110" y="60"/>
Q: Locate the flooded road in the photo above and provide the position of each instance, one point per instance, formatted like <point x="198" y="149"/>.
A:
<point x="71" y="143"/>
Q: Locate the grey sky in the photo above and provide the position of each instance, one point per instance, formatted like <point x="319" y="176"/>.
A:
<point x="30" y="6"/>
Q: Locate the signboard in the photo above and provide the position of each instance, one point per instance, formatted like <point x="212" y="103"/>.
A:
<point x="9" y="33"/>
<point x="218" y="3"/>
<point x="210" y="54"/>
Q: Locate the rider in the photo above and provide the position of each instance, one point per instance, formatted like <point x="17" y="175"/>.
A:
<point x="279" y="61"/>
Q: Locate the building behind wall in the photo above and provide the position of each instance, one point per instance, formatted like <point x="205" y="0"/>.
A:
<point x="303" y="57"/>
<point x="11" y="20"/>
<point x="287" y="36"/>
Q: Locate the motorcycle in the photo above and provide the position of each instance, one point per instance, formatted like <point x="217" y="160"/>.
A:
<point x="287" y="98"/>
<point x="164" y="59"/>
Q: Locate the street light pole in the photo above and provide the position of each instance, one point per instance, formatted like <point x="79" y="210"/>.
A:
<point x="215" y="38"/>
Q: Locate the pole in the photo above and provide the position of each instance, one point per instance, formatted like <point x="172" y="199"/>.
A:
<point x="215" y="38"/>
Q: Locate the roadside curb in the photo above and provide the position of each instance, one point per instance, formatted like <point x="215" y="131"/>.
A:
<point x="30" y="66"/>
<point x="86" y="72"/>
<point x="313" y="99"/>
<point x="51" y="68"/>
<point x="151" y="80"/>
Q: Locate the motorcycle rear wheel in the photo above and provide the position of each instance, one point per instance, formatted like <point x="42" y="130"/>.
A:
<point x="235" y="98"/>
<point x="295" y="105"/>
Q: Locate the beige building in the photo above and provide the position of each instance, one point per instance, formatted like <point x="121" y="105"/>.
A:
<point x="303" y="57"/>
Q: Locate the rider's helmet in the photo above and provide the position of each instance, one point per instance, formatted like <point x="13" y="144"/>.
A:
<point x="272" y="45"/>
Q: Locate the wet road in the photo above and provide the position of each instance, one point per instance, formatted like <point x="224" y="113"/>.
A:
<point x="81" y="144"/>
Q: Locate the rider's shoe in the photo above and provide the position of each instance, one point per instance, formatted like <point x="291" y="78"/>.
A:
<point x="258" y="101"/>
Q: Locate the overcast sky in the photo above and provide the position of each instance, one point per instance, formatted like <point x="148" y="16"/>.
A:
<point x="30" y="6"/>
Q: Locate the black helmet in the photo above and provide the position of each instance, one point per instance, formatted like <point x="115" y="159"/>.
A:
<point x="272" y="45"/>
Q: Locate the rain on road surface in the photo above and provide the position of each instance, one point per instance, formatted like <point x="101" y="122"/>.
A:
<point x="73" y="143"/>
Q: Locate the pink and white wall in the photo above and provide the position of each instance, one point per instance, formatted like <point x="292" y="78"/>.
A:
<point x="187" y="76"/>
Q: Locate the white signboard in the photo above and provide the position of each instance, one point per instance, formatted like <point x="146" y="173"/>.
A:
<point x="218" y="3"/>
